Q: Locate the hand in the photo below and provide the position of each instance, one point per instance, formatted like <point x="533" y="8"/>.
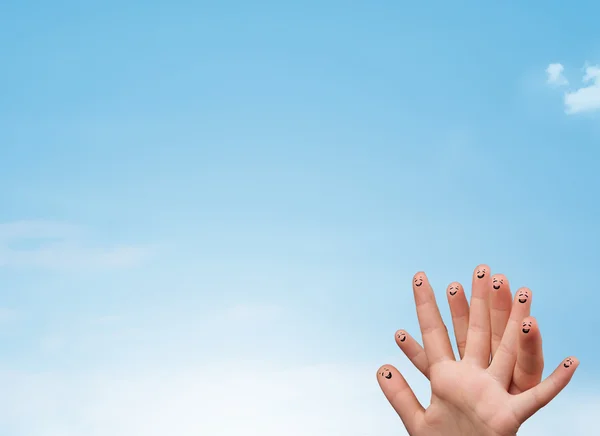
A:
<point x="474" y="396"/>
<point x="530" y="358"/>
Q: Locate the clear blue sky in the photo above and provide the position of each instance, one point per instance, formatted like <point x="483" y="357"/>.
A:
<point x="168" y="166"/>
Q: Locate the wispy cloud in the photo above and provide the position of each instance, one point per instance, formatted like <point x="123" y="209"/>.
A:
<point x="231" y="399"/>
<point x="60" y="246"/>
<point x="555" y="75"/>
<point x="586" y="98"/>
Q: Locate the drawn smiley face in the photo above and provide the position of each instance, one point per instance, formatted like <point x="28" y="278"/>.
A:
<point x="526" y="327"/>
<point x="419" y="279"/>
<point x="401" y="336"/>
<point x="497" y="282"/>
<point x="523" y="296"/>
<point x="385" y="373"/>
<point x="568" y="362"/>
<point x="480" y="272"/>
<point x="453" y="288"/>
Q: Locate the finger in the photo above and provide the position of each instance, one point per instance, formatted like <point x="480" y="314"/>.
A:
<point x="479" y="333"/>
<point x="401" y="397"/>
<point x="459" y="308"/>
<point x="413" y="350"/>
<point x="500" y="305"/>
<point x="530" y="358"/>
<point x="529" y="402"/>
<point x="503" y="364"/>
<point x="435" y="334"/>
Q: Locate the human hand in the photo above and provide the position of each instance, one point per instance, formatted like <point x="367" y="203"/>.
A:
<point x="474" y="396"/>
<point x="529" y="355"/>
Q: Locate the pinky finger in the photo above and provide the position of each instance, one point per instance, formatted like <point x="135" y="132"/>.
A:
<point x="413" y="350"/>
<point x="401" y="397"/>
<point x="532" y="400"/>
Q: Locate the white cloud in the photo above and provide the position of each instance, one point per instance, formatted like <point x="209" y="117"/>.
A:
<point x="52" y="245"/>
<point x="586" y="98"/>
<point x="555" y="75"/>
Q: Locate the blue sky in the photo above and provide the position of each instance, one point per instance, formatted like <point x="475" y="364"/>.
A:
<point x="193" y="186"/>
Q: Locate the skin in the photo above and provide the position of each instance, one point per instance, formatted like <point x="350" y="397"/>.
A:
<point x="501" y="304"/>
<point x="530" y="361"/>
<point x="471" y="396"/>
<point x="459" y="308"/>
<point x="530" y="358"/>
<point x="418" y="279"/>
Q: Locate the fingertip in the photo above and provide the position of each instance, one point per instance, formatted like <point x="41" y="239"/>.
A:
<point x="401" y="336"/>
<point x="523" y="295"/>
<point x="482" y="271"/>
<point x="528" y="326"/>
<point x="454" y="288"/>
<point x="570" y="363"/>
<point x="385" y="373"/>
<point x="419" y="279"/>
<point x="499" y="282"/>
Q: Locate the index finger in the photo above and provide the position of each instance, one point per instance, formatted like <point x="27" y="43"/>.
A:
<point x="435" y="334"/>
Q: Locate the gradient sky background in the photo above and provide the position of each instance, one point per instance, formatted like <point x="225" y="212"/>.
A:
<point x="212" y="211"/>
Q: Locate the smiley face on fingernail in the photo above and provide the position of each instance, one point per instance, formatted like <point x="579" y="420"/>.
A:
<point x="385" y="373"/>
<point x="481" y="271"/>
<point x="526" y="327"/>
<point x="568" y="362"/>
<point x="419" y="279"/>
<point x="523" y="296"/>
<point x="401" y="336"/>
<point x="453" y="288"/>
<point x="497" y="282"/>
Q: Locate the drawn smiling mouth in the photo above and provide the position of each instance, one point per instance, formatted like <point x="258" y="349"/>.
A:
<point x="388" y="376"/>
<point x="418" y="284"/>
<point x="496" y="287"/>
<point x="403" y="338"/>
<point x="480" y="276"/>
<point x="522" y="300"/>
<point x="526" y="330"/>
<point x="453" y="293"/>
<point x="565" y="365"/>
